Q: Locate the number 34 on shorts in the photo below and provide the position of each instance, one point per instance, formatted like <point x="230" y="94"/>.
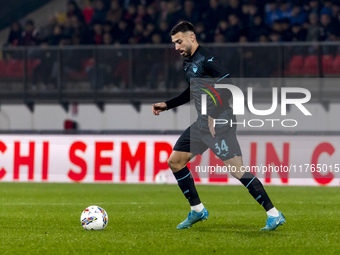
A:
<point x="221" y="148"/>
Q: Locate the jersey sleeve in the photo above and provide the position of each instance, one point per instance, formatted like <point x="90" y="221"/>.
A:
<point x="217" y="69"/>
<point x="182" y="98"/>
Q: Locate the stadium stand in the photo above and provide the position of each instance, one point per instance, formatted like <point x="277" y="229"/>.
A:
<point x="146" y="22"/>
<point x="139" y="20"/>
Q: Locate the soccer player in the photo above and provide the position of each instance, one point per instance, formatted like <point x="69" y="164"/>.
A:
<point x="199" y="62"/>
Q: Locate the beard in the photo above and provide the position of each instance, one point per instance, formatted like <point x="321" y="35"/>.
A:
<point x="187" y="51"/>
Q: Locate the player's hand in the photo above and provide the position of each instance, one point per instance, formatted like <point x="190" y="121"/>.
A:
<point x="211" y="126"/>
<point x="159" y="107"/>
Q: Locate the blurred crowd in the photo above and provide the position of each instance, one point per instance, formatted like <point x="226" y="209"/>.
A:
<point x="149" y="21"/>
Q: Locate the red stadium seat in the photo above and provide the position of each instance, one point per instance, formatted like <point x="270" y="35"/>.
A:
<point x="327" y="64"/>
<point x="31" y="63"/>
<point x="88" y="62"/>
<point x="310" y="65"/>
<point x="295" y="66"/>
<point x="336" y="65"/>
<point x="122" y="71"/>
<point x="82" y="73"/>
<point x="3" y="68"/>
<point x="15" y="68"/>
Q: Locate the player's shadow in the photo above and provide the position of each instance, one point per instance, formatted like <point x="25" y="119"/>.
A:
<point x="242" y="229"/>
<point x="224" y="227"/>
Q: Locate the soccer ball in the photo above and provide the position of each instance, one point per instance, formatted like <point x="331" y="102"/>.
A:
<point x="94" y="218"/>
<point x="161" y="178"/>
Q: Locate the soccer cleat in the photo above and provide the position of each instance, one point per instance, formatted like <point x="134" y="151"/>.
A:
<point x="273" y="222"/>
<point x="193" y="217"/>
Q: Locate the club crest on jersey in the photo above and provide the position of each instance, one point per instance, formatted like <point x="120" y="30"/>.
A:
<point x="194" y="68"/>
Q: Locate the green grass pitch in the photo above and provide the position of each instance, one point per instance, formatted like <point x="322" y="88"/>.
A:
<point x="43" y="218"/>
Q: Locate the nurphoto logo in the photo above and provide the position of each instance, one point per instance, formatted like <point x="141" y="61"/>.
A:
<point x="239" y="109"/>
